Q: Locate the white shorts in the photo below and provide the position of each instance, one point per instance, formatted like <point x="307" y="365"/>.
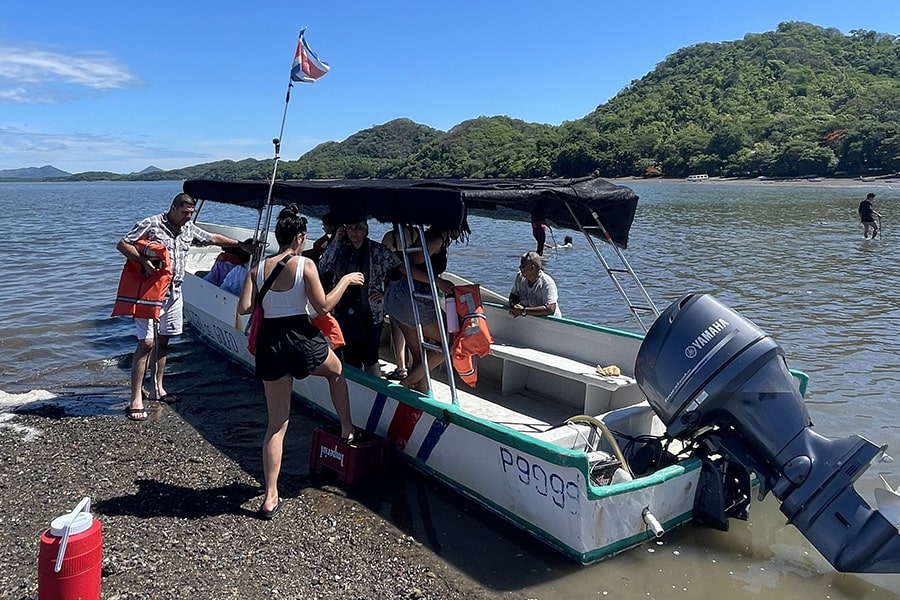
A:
<point x="171" y="318"/>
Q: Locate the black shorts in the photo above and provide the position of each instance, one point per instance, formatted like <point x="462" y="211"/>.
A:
<point x="289" y="345"/>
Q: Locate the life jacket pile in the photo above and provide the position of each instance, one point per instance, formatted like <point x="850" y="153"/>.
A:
<point x="474" y="337"/>
<point x="139" y="294"/>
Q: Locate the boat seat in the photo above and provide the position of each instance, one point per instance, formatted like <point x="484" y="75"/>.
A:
<point x="523" y="367"/>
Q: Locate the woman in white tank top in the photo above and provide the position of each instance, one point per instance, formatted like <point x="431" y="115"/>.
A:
<point x="288" y="345"/>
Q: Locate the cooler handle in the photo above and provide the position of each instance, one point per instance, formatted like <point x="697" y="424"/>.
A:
<point x="84" y="505"/>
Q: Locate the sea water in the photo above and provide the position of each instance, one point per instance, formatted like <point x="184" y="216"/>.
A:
<point x="791" y="258"/>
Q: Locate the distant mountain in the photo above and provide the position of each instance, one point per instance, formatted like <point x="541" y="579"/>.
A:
<point x="150" y="169"/>
<point x="45" y="172"/>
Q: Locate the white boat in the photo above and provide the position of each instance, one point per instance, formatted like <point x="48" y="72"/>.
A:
<point x="592" y="464"/>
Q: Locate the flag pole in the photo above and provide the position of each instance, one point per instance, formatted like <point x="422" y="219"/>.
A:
<point x="277" y="143"/>
<point x="308" y="68"/>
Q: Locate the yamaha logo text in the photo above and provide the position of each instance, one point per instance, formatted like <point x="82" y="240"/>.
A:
<point x="701" y="340"/>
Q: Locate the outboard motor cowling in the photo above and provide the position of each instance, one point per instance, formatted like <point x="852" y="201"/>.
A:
<point x="716" y="379"/>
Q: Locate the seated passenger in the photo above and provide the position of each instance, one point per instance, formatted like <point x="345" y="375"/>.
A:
<point x="234" y="281"/>
<point x="229" y="258"/>
<point x="534" y="292"/>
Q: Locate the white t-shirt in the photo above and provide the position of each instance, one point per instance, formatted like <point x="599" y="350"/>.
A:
<point x="542" y="292"/>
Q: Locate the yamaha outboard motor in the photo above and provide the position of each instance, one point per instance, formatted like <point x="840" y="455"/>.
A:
<point x="720" y="383"/>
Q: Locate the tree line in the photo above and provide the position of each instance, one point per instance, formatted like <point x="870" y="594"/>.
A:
<point x="802" y="100"/>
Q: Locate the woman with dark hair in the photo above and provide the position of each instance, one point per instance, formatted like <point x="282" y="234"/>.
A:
<point x="360" y="311"/>
<point x="398" y="306"/>
<point x="288" y="345"/>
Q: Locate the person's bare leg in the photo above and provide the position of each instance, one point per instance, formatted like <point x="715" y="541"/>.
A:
<point x="416" y="378"/>
<point x="278" y="405"/>
<point x="399" y="342"/>
<point x="159" y="372"/>
<point x="333" y="371"/>
<point x="139" y="362"/>
<point x="374" y="370"/>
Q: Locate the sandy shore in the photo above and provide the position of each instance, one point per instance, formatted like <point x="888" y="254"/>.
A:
<point x="883" y="183"/>
<point x="179" y="520"/>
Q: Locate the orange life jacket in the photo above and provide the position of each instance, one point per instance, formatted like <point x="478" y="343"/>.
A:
<point x="474" y="337"/>
<point x="139" y="294"/>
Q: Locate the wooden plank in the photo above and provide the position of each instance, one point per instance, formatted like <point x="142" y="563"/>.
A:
<point x="559" y="365"/>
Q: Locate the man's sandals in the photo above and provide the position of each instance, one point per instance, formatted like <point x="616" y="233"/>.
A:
<point x="136" y="414"/>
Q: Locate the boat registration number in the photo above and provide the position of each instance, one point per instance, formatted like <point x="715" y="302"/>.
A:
<point x="561" y="493"/>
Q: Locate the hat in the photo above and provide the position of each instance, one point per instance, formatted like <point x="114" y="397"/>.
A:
<point x="870" y="195"/>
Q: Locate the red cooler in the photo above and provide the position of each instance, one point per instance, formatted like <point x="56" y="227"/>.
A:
<point x="71" y="557"/>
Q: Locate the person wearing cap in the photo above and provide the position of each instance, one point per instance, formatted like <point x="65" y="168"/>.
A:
<point x="867" y="214"/>
<point x="534" y="292"/>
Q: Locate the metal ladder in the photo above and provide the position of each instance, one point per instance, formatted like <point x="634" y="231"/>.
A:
<point x="443" y="347"/>
<point x="638" y="311"/>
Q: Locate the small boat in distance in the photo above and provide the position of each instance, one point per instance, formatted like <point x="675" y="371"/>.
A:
<point x="700" y="177"/>
<point x="592" y="461"/>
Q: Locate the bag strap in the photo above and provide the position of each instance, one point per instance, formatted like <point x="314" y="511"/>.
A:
<point x="271" y="278"/>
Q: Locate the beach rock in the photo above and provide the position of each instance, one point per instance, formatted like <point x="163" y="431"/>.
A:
<point x="179" y="519"/>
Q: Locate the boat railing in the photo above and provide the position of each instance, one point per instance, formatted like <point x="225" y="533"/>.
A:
<point x="644" y="306"/>
<point x="424" y="346"/>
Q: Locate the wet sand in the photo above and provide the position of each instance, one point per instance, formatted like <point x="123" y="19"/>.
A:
<point x="178" y="510"/>
<point x="821" y="182"/>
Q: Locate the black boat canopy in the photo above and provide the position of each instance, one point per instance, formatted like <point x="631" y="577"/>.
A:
<point x="442" y="202"/>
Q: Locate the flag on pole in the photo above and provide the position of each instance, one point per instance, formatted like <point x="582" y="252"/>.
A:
<point x="307" y="67"/>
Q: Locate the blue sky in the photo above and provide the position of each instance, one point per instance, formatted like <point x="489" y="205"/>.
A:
<point x="118" y="86"/>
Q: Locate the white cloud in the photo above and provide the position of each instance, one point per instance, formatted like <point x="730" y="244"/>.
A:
<point x="30" y="75"/>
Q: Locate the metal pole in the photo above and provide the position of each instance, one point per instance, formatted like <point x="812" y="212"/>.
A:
<point x="263" y="236"/>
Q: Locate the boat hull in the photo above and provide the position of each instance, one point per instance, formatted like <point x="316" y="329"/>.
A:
<point x="538" y="485"/>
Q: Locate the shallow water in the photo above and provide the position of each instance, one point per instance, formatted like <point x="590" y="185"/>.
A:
<point x="790" y="258"/>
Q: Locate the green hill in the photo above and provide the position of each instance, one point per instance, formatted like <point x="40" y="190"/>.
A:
<point x="800" y="100"/>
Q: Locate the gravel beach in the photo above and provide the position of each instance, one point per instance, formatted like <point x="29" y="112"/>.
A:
<point x="179" y="517"/>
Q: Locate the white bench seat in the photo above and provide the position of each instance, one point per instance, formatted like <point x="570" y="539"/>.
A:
<point x="519" y="364"/>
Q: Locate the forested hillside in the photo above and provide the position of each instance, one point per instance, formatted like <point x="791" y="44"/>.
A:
<point x="802" y="100"/>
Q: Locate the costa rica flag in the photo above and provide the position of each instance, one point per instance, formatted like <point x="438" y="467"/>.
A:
<point x="307" y="67"/>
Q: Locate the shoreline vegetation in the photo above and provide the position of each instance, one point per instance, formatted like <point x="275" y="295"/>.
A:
<point x="880" y="180"/>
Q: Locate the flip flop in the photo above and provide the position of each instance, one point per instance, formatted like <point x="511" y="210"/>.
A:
<point x="169" y="398"/>
<point x="397" y="374"/>
<point x="268" y="515"/>
<point x="134" y="414"/>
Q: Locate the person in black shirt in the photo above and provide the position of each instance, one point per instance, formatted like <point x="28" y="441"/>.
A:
<point x="867" y="214"/>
